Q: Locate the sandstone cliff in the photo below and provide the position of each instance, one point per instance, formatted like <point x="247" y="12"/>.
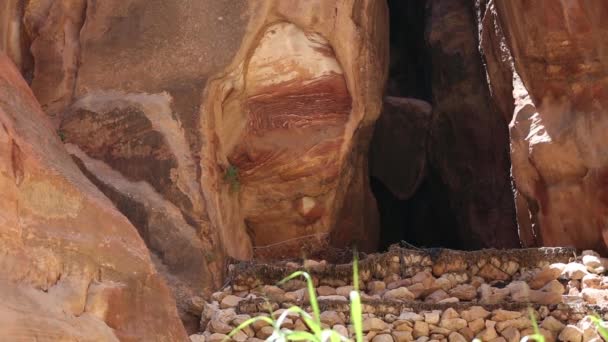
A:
<point x="72" y="267"/>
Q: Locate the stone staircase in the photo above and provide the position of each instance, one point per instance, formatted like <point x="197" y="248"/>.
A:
<point x="425" y="295"/>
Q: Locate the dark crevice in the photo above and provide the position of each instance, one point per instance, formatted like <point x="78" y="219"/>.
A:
<point x="410" y="67"/>
<point x="425" y="219"/>
<point x="437" y="214"/>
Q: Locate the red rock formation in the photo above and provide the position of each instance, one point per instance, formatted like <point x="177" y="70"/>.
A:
<point x="275" y="150"/>
<point x="14" y="40"/>
<point x="560" y="98"/>
<point x="71" y="266"/>
<point x="291" y="118"/>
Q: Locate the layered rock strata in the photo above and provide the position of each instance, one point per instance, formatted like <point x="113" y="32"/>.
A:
<point x="546" y="64"/>
<point x="72" y="267"/>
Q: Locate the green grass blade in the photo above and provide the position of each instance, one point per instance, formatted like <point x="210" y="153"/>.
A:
<point x="356" y="311"/>
<point x="314" y="326"/>
<point x="356" y="270"/>
<point x="311" y="292"/>
<point x="356" y="314"/>
<point x="537" y="336"/>
<point x="301" y="336"/>
<point x="330" y="335"/>
<point x="599" y="323"/>
<point x="293" y="309"/>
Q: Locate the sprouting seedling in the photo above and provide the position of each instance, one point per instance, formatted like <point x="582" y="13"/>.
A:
<point x="61" y="135"/>
<point x="537" y="336"/>
<point x="232" y="177"/>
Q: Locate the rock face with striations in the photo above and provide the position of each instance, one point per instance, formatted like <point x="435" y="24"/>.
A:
<point x="218" y="128"/>
<point x="72" y="267"/>
<point x="553" y="57"/>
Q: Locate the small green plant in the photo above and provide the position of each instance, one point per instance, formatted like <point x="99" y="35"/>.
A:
<point x="537" y="336"/>
<point x="317" y="334"/>
<point x="61" y="135"/>
<point x="232" y="177"/>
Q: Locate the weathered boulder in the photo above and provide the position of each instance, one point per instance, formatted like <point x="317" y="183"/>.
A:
<point x="401" y="166"/>
<point x="72" y="267"/>
<point x="551" y="56"/>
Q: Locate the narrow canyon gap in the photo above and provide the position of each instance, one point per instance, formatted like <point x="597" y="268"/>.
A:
<point x="439" y="158"/>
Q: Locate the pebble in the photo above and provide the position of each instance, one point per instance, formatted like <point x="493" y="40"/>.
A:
<point x="383" y="338"/>
<point x="334" y="297"/>
<point x="456" y="337"/>
<point x="489" y="333"/>
<point x="410" y="316"/>
<point x="453" y="324"/>
<point x="344" y="291"/>
<point x="505" y="315"/>
<point x="400" y="293"/>
<point x="375" y="287"/>
<point x="477" y="325"/>
<point x="475" y="312"/>
<point x="398" y="283"/>
<point x="449" y="300"/>
<point x="592" y="281"/>
<point x="574" y="271"/>
<point x="331" y="318"/>
<point x="468" y="334"/>
<point x="450" y="313"/>
<point x="552" y="324"/>
<point x="595" y="296"/>
<point x="265" y="332"/>
<point x="511" y="334"/>
<point x="464" y="292"/>
<point x="239" y="336"/>
<point x="592" y="262"/>
<point x="519" y="323"/>
<point x="373" y="324"/>
<point x="421" y="328"/>
<point x="230" y="301"/>
<point x="432" y="317"/>
<point x="197" y="338"/>
<point x="546" y="274"/>
<point x="436" y="296"/>
<point x="571" y="333"/>
<point x="216" y="337"/>
<point x="402" y="336"/>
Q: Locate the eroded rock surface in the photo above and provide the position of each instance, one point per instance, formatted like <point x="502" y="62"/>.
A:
<point x="217" y="128"/>
<point x="72" y="266"/>
<point x="291" y="119"/>
<point x="557" y="62"/>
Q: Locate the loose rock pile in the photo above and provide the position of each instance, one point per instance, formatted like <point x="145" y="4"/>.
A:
<point x="425" y="295"/>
